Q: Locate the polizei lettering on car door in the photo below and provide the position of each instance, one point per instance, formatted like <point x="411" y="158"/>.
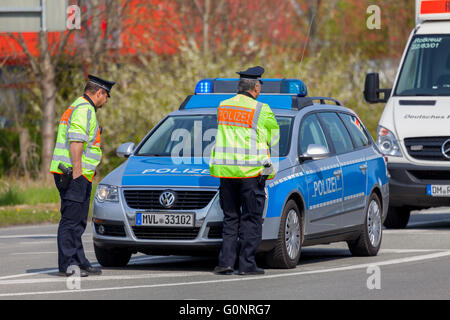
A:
<point x="326" y="186"/>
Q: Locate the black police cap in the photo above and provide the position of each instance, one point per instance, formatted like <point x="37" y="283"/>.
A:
<point x="104" y="84"/>
<point x="253" y="73"/>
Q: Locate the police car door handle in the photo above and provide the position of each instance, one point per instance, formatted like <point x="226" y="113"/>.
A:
<point x="337" y="173"/>
<point x="363" y="168"/>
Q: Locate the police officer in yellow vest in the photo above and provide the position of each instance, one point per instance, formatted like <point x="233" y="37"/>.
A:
<point x="246" y="131"/>
<point x="78" y="149"/>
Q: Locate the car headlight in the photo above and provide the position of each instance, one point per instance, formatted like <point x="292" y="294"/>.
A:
<point x="387" y="143"/>
<point x="107" y="193"/>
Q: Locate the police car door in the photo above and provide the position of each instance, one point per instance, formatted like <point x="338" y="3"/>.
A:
<point x="355" y="196"/>
<point x="323" y="178"/>
<point x="350" y="150"/>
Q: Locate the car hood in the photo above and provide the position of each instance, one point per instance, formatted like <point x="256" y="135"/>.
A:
<point x="164" y="171"/>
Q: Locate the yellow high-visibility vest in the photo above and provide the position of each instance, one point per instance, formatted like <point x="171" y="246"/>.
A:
<point x="246" y="130"/>
<point x="78" y="123"/>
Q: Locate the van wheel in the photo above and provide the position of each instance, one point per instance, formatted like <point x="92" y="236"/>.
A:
<point x="397" y="217"/>
<point x="287" y="249"/>
<point x="113" y="257"/>
<point x="369" y="241"/>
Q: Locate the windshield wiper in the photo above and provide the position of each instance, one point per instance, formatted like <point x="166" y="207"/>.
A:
<point x="153" y="155"/>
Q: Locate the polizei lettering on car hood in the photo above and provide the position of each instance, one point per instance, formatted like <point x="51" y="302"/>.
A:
<point x="164" y="171"/>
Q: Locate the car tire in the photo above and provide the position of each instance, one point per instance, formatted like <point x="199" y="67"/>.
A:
<point x="369" y="242"/>
<point x="112" y="257"/>
<point x="397" y="217"/>
<point x="286" y="253"/>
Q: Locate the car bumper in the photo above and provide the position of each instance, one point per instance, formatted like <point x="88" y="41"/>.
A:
<point x="408" y="185"/>
<point x="114" y="226"/>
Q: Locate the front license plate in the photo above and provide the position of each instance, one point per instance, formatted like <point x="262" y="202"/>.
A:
<point x="165" y="219"/>
<point x="438" y="190"/>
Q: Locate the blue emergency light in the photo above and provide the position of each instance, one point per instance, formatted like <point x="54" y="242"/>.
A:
<point x="269" y="86"/>
<point x="204" y="86"/>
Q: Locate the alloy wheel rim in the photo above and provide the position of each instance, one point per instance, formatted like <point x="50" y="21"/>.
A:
<point x="374" y="223"/>
<point x="292" y="234"/>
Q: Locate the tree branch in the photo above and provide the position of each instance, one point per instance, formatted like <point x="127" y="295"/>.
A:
<point x="33" y="61"/>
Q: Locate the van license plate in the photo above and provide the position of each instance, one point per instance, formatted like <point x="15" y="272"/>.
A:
<point x="438" y="190"/>
<point x="165" y="219"/>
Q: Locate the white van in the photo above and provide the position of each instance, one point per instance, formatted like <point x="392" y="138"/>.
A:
<point x="414" y="129"/>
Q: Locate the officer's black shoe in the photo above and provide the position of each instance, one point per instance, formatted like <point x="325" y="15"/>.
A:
<point x="223" y="270"/>
<point x="72" y="272"/>
<point x="92" y="270"/>
<point x="258" y="271"/>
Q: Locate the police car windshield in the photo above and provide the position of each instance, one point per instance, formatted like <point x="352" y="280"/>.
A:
<point x="426" y="69"/>
<point x="194" y="136"/>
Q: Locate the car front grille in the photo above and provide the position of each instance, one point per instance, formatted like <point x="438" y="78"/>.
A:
<point x="426" y="148"/>
<point x="184" y="200"/>
<point x="440" y="175"/>
<point x="169" y="233"/>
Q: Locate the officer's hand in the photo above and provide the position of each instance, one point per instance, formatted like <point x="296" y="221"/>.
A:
<point x="76" y="174"/>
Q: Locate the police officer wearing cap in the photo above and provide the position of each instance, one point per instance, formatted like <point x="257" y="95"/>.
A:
<point x="76" y="155"/>
<point x="246" y="131"/>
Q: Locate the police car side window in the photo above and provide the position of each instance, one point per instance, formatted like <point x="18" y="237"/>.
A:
<point x="356" y="130"/>
<point x="338" y="133"/>
<point x="311" y="133"/>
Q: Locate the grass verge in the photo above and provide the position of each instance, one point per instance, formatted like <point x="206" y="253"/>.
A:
<point x="27" y="214"/>
<point x="29" y="202"/>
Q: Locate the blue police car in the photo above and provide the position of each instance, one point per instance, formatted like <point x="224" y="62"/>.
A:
<point x="331" y="183"/>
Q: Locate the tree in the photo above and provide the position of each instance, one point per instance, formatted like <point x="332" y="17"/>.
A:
<point x="44" y="71"/>
<point x="101" y="24"/>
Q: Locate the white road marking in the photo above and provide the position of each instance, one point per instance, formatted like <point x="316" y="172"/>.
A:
<point x="430" y="232"/>
<point x="132" y="261"/>
<point x="106" y="278"/>
<point x="236" y="279"/>
<point x="52" y="235"/>
<point x="409" y="250"/>
<point x="36" y="242"/>
<point x="29" y="236"/>
<point x="43" y="252"/>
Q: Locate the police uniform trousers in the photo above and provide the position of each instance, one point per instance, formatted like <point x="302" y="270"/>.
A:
<point x="74" y="214"/>
<point x="242" y="202"/>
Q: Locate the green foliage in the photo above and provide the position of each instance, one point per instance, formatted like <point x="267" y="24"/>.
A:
<point x="9" y="150"/>
<point x="21" y="216"/>
<point x="23" y="192"/>
<point x="153" y="87"/>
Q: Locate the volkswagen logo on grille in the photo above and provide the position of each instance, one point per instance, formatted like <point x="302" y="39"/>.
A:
<point x="167" y="199"/>
<point x="446" y="149"/>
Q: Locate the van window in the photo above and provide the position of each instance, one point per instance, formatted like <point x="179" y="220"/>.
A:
<point x="426" y="69"/>
<point x="356" y="130"/>
<point x="338" y="133"/>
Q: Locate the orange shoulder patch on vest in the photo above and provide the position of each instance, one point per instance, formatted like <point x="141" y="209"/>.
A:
<point x="66" y="115"/>
<point x="235" y="116"/>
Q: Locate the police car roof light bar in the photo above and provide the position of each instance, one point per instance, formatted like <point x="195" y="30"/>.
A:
<point x="269" y="86"/>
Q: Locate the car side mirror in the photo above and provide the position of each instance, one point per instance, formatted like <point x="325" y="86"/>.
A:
<point x="372" y="89"/>
<point x="315" y="152"/>
<point x="125" y="150"/>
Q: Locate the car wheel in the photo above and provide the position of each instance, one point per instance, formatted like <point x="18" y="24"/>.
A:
<point x="369" y="241"/>
<point x="397" y="217"/>
<point x="286" y="252"/>
<point x="112" y="257"/>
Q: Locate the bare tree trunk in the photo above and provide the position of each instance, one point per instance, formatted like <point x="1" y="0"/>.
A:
<point x="48" y="89"/>
<point x="24" y="141"/>
<point x="206" y="16"/>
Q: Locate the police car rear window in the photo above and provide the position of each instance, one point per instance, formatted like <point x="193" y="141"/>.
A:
<point x="194" y="136"/>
